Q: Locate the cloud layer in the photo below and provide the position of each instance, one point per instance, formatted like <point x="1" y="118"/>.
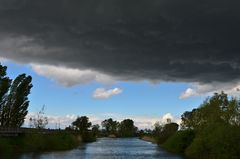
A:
<point x="198" y="89"/>
<point x="102" y="93"/>
<point x="70" y="77"/>
<point x="157" y="40"/>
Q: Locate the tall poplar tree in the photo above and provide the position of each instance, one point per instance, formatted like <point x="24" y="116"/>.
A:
<point x="5" y="84"/>
<point x="14" y="99"/>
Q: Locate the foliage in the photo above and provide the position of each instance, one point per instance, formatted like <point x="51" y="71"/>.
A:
<point x="88" y="136"/>
<point x="191" y="120"/>
<point x="179" y="141"/>
<point x="141" y="133"/>
<point x="13" y="98"/>
<point x="219" y="140"/>
<point x="35" y="142"/>
<point x="69" y="128"/>
<point x="95" y="130"/>
<point x="110" y="126"/>
<point x="158" y="128"/>
<point x="217" y="126"/>
<point x="5" y="84"/>
<point x="167" y="131"/>
<point x="217" y="109"/>
<point x="127" y="128"/>
<point x="82" y="124"/>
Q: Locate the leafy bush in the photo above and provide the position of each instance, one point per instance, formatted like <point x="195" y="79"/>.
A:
<point x="179" y="141"/>
<point x="219" y="141"/>
<point x="88" y="137"/>
<point x="168" y="130"/>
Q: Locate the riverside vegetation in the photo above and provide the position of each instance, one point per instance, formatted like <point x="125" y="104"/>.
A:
<point x="211" y="131"/>
<point x="36" y="142"/>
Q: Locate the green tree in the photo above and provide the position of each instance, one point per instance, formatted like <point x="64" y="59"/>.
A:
<point x="14" y="99"/>
<point x="216" y="124"/>
<point x="95" y="130"/>
<point x="216" y="140"/>
<point x="178" y="142"/>
<point x="167" y="131"/>
<point x="110" y="126"/>
<point x="216" y="109"/>
<point x="5" y="84"/>
<point x="192" y="119"/>
<point x="16" y="104"/>
<point x="127" y="128"/>
<point x="158" y="128"/>
<point x="82" y="124"/>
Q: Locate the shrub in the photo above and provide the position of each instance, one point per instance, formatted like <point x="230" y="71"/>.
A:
<point x="220" y="141"/>
<point x="179" y="141"/>
<point x="37" y="142"/>
<point x="88" y="137"/>
<point x="168" y="130"/>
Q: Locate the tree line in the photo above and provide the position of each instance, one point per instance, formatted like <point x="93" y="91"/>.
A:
<point x="109" y="128"/>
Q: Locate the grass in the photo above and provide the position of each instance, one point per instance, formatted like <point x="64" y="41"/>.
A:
<point x="38" y="142"/>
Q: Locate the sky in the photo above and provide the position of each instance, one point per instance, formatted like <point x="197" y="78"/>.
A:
<point x="139" y="59"/>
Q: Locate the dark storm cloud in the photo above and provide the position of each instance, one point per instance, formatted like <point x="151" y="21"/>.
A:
<point x="173" y="40"/>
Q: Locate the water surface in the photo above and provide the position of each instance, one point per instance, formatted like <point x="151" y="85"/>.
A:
<point x="107" y="148"/>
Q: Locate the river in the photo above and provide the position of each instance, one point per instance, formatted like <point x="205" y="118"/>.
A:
<point x="107" y="148"/>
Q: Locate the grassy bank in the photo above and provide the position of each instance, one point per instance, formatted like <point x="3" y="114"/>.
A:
<point x="37" y="142"/>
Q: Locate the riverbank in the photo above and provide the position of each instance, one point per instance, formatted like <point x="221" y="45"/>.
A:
<point x="37" y="142"/>
<point x="149" y="139"/>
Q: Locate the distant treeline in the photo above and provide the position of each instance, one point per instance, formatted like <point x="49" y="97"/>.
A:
<point x="110" y="128"/>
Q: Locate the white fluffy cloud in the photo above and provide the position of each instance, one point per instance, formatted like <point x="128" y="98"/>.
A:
<point x="70" y="77"/>
<point x="197" y="89"/>
<point x="187" y="93"/>
<point x="148" y="121"/>
<point x="102" y="93"/>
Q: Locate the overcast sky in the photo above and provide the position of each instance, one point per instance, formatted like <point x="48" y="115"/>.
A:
<point x="114" y="48"/>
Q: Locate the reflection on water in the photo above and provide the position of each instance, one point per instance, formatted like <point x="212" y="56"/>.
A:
<point x="107" y="148"/>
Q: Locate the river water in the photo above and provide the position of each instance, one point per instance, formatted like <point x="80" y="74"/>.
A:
<point x="107" y="148"/>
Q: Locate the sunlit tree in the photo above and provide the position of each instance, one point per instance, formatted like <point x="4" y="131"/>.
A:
<point x="216" y="109"/>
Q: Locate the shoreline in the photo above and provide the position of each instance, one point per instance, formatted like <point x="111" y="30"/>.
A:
<point x="148" y="139"/>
